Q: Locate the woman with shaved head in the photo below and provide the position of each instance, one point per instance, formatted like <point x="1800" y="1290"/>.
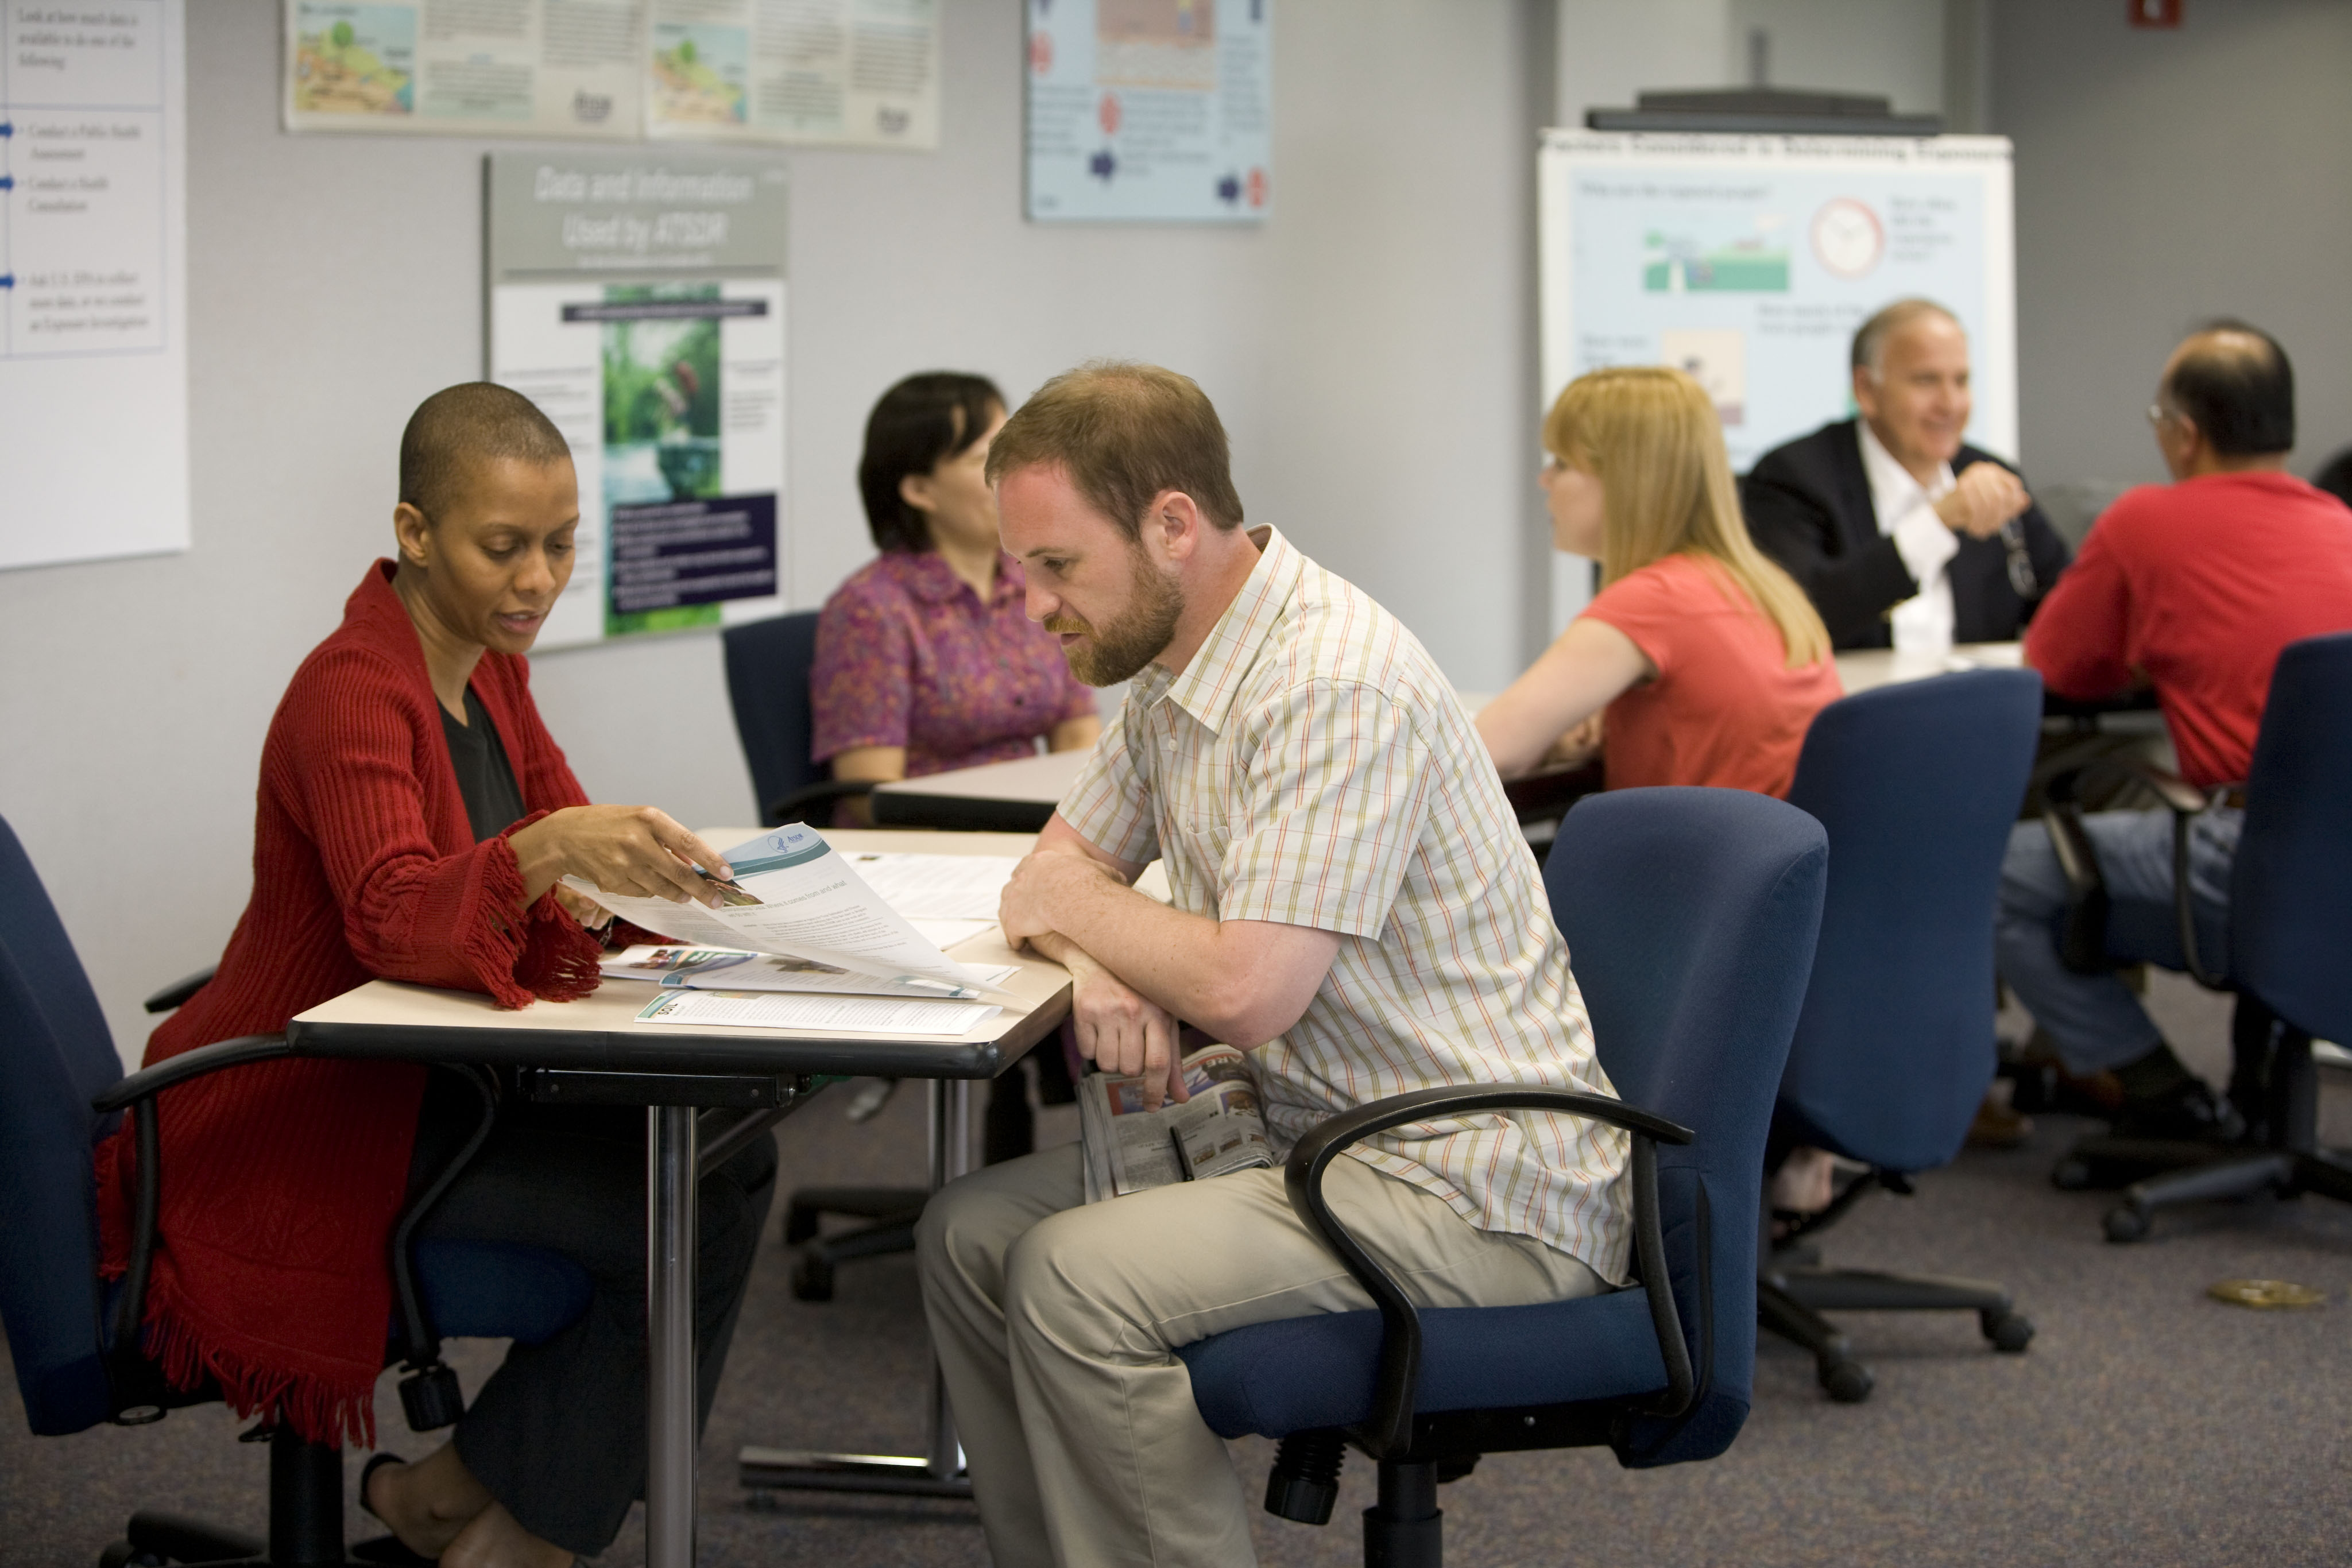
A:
<point x="414" y="822"/>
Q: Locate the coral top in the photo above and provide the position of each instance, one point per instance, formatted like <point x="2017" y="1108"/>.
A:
<point x="1724" y="709"/>
<point x="282" y="1180"/>
<point x="907" y="654"/>
<point x="2197" y="586"/>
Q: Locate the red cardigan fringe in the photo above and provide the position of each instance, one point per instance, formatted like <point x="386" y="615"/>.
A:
<point x="282" y="1180"/>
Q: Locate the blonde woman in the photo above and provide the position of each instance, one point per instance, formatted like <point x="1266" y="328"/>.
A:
<point x="1707" y="658"/>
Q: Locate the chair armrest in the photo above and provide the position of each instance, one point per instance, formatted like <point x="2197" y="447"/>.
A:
<point x="1390" y="1430"/>
<point x="824" y="794"/>
<point x="2184" y="798"/>
<point x="148" y="1081"/>
<point x="138" y="1093"/>
<point x="180" y="990"/>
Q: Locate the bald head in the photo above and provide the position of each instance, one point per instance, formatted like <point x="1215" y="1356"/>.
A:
<point x="1870" y="340"/>
<point x="458" y="429"/>
<point x="2232" y="384"/>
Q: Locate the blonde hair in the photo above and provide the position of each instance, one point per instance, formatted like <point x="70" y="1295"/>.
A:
<point x="1651" y="436"/>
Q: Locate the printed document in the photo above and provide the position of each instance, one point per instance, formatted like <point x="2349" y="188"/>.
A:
<point x="793" y="895"/>
<point x="859" y="1015"/>
<point x="732" y="969"/>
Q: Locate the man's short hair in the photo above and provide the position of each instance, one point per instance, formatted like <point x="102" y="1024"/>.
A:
<point x="2238" y="387"/>
<point x="1124" y="433"/>
<point x="460" y="427"/>
<point x="1870" y="341"/>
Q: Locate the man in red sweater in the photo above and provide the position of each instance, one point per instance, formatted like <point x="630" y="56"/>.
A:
<point x="2191" y="588"/>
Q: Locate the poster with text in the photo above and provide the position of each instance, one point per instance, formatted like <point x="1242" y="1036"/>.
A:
<point x="639" y="301"/>
<point x="514" y="68"/>
<point x="851" y="73"/>
<point x="1150" y="110"/>
<point x="1751" y="260"/>
<point x="93" y="288"/>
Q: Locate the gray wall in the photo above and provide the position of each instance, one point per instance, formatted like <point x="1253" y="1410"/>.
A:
<point x="2165" y="176"/>
<point x="1371" y="349"/>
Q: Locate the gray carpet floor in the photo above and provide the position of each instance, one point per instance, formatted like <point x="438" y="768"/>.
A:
<point x="2147" y="1425"/>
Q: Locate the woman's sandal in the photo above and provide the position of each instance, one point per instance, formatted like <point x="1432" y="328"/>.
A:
<point x="384" y="1549"/>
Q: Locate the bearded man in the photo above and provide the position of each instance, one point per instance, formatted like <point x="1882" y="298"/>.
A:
<point x="1352" y="904"/>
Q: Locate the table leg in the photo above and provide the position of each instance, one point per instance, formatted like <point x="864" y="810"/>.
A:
<point x="671" y="1435"/>
<point x="938" y="1471"/>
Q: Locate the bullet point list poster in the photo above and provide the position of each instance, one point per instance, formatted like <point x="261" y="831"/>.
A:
<point x="93" y="293"/>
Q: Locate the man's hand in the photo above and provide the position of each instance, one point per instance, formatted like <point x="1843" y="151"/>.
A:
<point x="1038" y="887"/>
<point x="1122" y="1032"/>
<point x="1985" y="495"/>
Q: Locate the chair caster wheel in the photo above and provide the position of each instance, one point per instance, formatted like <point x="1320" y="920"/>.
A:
<point x="2124" y="1223"/>
<point x="2070" y="1175"/>
<point x="800" y="1225"/>
<point x="1847" y="1382"/>
<point x="2010" y="1332"/>
<point x="123" y="1554"/>
<point x="811" y="1278"/>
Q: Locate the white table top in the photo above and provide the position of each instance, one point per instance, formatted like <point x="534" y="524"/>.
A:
<point x="611" y="1012"/>
<point x="1046" y="778"/>
<point x="1866" y="668"/>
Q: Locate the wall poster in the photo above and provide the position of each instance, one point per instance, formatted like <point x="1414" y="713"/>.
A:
<point x="862" y="73"/>
<point x="855" y="73"/>
<point x="93" y="286"/>
<point x="1749" y="261"/>
<point x="639" y="301"/>
<point x="1150" y="110"/>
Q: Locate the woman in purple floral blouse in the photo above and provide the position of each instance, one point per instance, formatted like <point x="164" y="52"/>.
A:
<point x="924" y="659"/>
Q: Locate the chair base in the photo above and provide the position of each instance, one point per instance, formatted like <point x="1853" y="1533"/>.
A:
<point x="306" y="1521"/>
<point x="2273" y="1084"/>
<point x="1789" y="1302"/>
<point x="892" y="1209"/>
<point x="1406" y="1528"/>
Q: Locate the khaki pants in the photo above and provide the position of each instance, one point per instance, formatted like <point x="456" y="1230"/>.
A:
<point x="1056" y="1322"/>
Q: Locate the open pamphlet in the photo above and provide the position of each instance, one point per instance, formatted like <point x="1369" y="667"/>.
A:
<point x="1218" y="1129"/>
<point x="792" y="897"/>
<point x="815" y="1014"/>
<point x="733" y="969"/>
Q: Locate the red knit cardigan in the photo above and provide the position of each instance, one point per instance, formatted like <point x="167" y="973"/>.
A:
<point x="282" y="1180"/>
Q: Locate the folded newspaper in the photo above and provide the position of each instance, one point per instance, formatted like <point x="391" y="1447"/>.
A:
<point x="1218" y="1129"/>
<point x="792" y="896"/>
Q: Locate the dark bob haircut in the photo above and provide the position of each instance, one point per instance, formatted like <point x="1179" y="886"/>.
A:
<point x="2238" y="387"/>
<point x="917" y="426"/>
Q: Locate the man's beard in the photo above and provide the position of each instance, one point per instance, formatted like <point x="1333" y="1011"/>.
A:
<point x="1123" y="648"/>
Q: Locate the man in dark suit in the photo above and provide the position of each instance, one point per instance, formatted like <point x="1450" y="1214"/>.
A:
<point x="1902" y="535"/>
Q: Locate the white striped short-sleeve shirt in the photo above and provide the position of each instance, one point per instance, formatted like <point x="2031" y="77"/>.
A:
<point x="1310" y="767"/>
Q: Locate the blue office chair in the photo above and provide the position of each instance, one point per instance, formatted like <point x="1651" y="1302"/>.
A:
<point x="2289" y="932"/>
<point x="1690" y="916"/>
<point x="1917" y="785"/>
<point x="768" y="664"/>
<point x="74" y="1338"/>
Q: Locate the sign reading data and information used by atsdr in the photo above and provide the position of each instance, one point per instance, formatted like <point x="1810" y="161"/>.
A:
<point x="639" y="301"/>
<point x="1150" y="110"/>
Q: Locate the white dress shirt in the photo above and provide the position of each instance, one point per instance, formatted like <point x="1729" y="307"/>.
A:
<point x="1907" y="514"/>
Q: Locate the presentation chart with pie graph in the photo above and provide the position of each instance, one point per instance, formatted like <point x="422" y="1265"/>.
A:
<point x="1749" y="261"/>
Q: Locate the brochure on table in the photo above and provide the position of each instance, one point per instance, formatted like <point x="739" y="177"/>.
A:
<point x="791" y="895"/>
<point x="638" y="300"/>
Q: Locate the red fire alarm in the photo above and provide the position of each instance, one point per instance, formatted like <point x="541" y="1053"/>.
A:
<point x="2155" y="12"/>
